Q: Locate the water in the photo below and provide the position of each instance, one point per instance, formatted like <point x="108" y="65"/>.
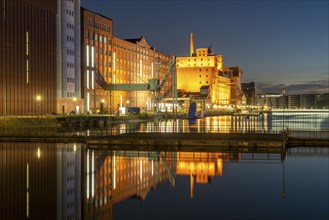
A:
<point x="75" y="181"/>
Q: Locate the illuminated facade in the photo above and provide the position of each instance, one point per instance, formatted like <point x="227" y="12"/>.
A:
<point x="203" y="68"/>
<point x="96" y="58"/>
<point x="137" y="62"/>
<point x="111" y="60"/>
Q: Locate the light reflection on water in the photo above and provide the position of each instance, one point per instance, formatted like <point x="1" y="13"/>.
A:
<point x="233" y="123"/>
<point x="72" y="181"/>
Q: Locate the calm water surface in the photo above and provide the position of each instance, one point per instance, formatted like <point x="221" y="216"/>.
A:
<point x="74" y="181"/>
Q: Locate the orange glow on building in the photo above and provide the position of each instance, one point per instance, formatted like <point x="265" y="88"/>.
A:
<point x="203" y="68"/>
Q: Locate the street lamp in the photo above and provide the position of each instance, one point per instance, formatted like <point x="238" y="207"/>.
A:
<point x="74" y="100"/>
<point x="127" y="103"/>
<point x="38" y="98"/>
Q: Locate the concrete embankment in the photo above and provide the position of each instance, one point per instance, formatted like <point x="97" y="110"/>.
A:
<point x="163" y="140"/>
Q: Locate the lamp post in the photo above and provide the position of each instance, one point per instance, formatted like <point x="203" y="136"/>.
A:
<point x="38" y="98"/>
<point x="127" y="103"/>
<point x="74" y="100"/>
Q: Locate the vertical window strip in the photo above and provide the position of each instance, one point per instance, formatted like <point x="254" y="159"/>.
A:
<point x="88" y="172"/>
<point x="152" y="71"/>
<point x="92" y="56"/>
<point x="92" y="79"/>
<point x="87" y="55"/>
<point x="27" y="54"/>
<point x="27" y="71"/>
<point x="114" y="61"/>
<point x="88" y="101"/>
<point x="4" y="10"/>
<point x="87" y="79"/>
<point x="92" y="174"/>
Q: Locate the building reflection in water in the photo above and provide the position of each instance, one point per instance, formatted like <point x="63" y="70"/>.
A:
<point x="200" y="166"/>
<point x="70" y="181"/>
<point x="40" y="181"/>
<point x="112" y="176"/>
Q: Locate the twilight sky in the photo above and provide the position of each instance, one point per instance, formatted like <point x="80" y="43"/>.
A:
<point x="277" y="43"/>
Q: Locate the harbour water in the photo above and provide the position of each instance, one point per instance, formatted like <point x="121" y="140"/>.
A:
<point x="80" y="181"/>
<point x="75" y="181"/>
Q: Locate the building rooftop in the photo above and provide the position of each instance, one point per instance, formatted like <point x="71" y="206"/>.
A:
<point x="95" y="13"/>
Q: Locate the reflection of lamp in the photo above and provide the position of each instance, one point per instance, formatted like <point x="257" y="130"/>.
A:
<point x="102" y="105"/>
<point x="38" y="153"/>
<point x="38" y="98"/>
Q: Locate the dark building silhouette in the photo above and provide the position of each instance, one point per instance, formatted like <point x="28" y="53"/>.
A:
<point x="249" y="91"/>
<point x="27" y="57"/>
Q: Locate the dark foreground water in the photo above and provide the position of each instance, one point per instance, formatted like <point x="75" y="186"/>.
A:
<point x="74" y="181"/>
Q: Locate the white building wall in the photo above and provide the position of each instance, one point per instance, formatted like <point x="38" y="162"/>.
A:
<point x="68" y="46"/>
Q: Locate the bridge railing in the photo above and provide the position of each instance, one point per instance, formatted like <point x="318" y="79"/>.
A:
<point x="309" y="134"/>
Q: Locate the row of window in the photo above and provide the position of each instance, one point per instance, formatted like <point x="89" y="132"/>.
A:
<point x="70" y="94"/>
<point x="98" y="25"/>
<point x="193" y="65"/>
<point x="70" y="26"/>
<point x="69" y="12"/>
<point x="70" y="65"/>
<point x="70" y="39"/>
<point x="69" y="52"/>
<point x="70" y="80"/>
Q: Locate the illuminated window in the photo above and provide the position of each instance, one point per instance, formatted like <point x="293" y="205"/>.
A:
<point x="87" y="79"/>
<point x="87" y="55"/>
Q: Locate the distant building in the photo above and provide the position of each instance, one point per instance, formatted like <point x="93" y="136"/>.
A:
<point x="235" y="74"/>
<point x="322" y="101"/>
<point x="269" y="100"/>
<point x="301" y="101"/>
<point x="249" y="91"/>
<point x="203" y="68"/>
<point x="293" y="101"/>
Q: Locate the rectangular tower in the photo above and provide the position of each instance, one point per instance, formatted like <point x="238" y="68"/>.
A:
<point x="68" y="57"/>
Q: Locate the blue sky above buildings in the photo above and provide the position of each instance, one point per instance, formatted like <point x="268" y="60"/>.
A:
<point x="282" y="43"/>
